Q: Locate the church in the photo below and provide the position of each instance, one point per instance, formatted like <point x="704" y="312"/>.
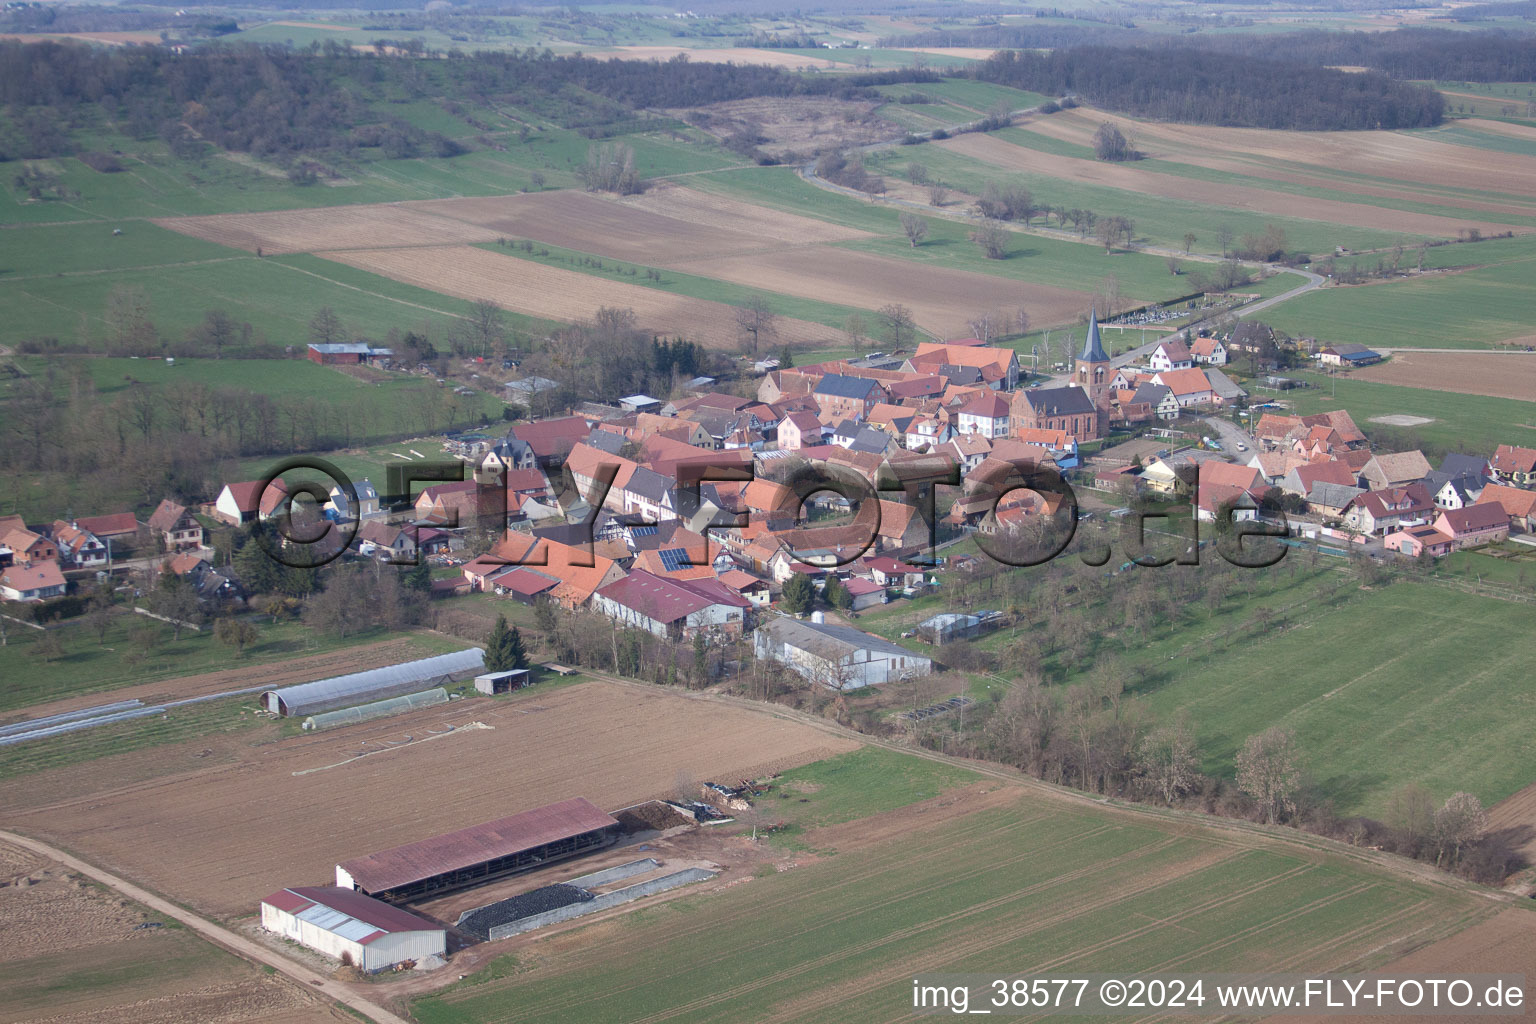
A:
<point x="1080" y="408"/>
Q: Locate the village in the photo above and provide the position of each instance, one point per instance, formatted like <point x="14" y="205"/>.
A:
<point x="709" y="516"/>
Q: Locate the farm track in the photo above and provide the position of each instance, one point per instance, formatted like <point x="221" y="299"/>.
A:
<point x="218" y="935"/>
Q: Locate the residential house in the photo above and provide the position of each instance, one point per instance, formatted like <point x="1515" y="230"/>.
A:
<point x="986" y="415"/>
<point x="674" y="608"/>
<point x="581" y="572"/>
<point x="1304" y="477"/>
<point x="1417" y="541"/>
<point x="1379" y="512"/>
<point x="248" y="501"/>
<point x="1225" y="484"/>
<point x="1170" y="355"/>
<point x="26" y="545"/>
<point x="507" y="454"/>
<point x="755" y="591"/>
<point x="380" y="540"/>
<point x="800" y="430"/>
<point x="968" y="450"/>
<point x="838" y="657"/>
<point x="551" y="440"/>
<point x="1395" y="469"/>
<point x="1163" y="477"/>
<point x="31" y="581"/>
<point x="1209" y="351"/>
<point x="1519" y="504"/>
<point x="927" y="432"/>
<point x="175" y="527"/>
<point x="78" y="548"/>
<point x="1514" y="465"/>
<point x="117" y="530"/>
<point x="841" y="397"/>
<point x="997" y="368"/>
<point x="1474" y="525"/>
<point x="1330" y="500"/>
<point x="890" y="572"/>
<point x="367" y="504"/>
<point x="1190" y="386"/>
<point x="901" y="526"/>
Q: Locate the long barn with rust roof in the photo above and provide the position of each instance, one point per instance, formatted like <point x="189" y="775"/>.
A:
<point x="481" y="852"/>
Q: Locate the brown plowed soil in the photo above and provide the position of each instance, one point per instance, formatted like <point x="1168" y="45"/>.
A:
<point x="551" y="293"/>
<point x="220" y="836"/>
<point x="1497" y="374"/>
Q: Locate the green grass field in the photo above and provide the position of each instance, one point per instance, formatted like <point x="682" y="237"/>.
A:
<point x="1380" y="689"/>
<point x="1468" y="309"/>
<point x="1473" y="423"/>
<point x="1031" y="883"/>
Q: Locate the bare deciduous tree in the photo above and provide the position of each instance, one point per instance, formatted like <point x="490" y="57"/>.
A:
<point x="755" y="321"/>
<point x="992" y="237"/>
<point x="938" y="193"/>
<point x="1189" y="242"/>
<point x="1269" y="770"/>
<point x="325" y="327"/>
<point x="898" y="324"/>
<point x="917" y="174"/>
<point x="1167" y="760"/>
<point x="1461" y="821"/>
<point x="857" y="331"/>
<point x="486" y="325"/>
<point x="915" y="227"/>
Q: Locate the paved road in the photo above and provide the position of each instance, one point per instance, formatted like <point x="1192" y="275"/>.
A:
<point x="1230" y="435"/>
<point x="220" y="936"/>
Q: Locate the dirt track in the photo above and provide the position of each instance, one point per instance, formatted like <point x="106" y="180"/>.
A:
<point x="220" y="836"/>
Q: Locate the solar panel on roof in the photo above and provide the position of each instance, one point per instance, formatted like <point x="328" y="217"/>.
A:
<point x="674" y="559"/>
<point x="642" y="530"/>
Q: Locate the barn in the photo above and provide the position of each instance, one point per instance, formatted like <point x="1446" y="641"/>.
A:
<point x="374" y="684"/>
<point x="350" y="926"/>
<point x="481" y="852"/>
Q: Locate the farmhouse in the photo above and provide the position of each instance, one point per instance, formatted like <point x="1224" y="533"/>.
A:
<point x="838" y="657"/>
<point x="1170" y="355"/>
<point x="24" y="544"/>
<point x="481" y="852"/>
<point x="78" y="547"/>
<point x="1474" y="526"/>
<point x="1209" y="351"/>
<point x="351" y="927"/>
<point x="986" y="415"/>
<point x="374" y="684"/>
<point x="1418" y="541"/>
<point x="247" y="501"/>
<point x="1381" y="512"/>
<point x="1395" y="469"/>
<point x="1189" y="386"/>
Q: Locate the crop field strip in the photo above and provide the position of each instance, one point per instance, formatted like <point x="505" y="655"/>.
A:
<point x="1038" y="888"/>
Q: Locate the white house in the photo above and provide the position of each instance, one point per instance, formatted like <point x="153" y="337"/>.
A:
<point x="1209" y="351"/>
<point x="986" y="414"/>
<point x="367" y="501"/>
<point x="839" y="657"/>
<point x="35" y="582"/>
<point x="1189" y="386"/>
<point x="350" y="925"/>
<point x="1170" y="355"/>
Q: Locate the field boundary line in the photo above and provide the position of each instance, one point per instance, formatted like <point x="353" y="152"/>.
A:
<point x="220" y="936"/>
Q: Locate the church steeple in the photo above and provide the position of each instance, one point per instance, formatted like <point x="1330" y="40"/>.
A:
<point x="1093" y="348"/>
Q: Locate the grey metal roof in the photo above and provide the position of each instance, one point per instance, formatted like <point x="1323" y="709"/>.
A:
<point x="829" y="641"/>
<point x="1152" y="394"/>
<point x="373" y="684"/>
<point x="1222" y="385"/>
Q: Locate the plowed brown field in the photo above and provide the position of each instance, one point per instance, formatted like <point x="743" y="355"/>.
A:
<point x="734" y="55"/>
<point x="222" y="836"/>
<point x="940" y="299"/>
<point x="992" y="150"/>
<point x="537" y="290"/>
<point x="1515" y="817"/>
<point x="1496" y="374"/>
<point x="1403" y="160"/>
<point x="330" y="227"/>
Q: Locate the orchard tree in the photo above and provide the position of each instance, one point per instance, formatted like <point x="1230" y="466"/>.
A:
<point x="1269" y="770"/>
<point x="915" y="227"/>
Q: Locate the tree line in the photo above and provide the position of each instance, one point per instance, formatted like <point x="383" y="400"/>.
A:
<point x="1189" y="85"/>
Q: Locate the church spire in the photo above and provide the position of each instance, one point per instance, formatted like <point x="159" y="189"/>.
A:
<point x="1093" y="348"/>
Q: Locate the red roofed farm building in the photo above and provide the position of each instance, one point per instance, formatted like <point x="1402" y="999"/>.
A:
<point x="346" y="924"/>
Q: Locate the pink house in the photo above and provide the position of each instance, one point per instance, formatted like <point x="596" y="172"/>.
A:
<point x="1417" y="541"/>
<point x="799" y="430"/>
<point x="1474" y="525"/>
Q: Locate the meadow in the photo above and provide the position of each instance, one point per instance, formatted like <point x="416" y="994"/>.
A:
<point x="1378" y="687"/>
<point x="967" y="882"/>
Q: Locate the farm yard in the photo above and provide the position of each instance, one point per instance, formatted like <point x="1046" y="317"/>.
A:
<point x="982" y="873"/>
<point x="75" y="952"/>
<point x="614" y="744"/>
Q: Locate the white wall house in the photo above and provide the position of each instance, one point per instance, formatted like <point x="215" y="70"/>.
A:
<point x="672" y="607"/>
<point x="350" y="925"/>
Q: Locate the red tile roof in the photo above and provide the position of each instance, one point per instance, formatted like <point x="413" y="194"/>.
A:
<point x="117" y="524"/>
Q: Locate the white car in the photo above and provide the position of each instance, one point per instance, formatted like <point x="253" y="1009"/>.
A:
<point x="1242" y="447"/>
